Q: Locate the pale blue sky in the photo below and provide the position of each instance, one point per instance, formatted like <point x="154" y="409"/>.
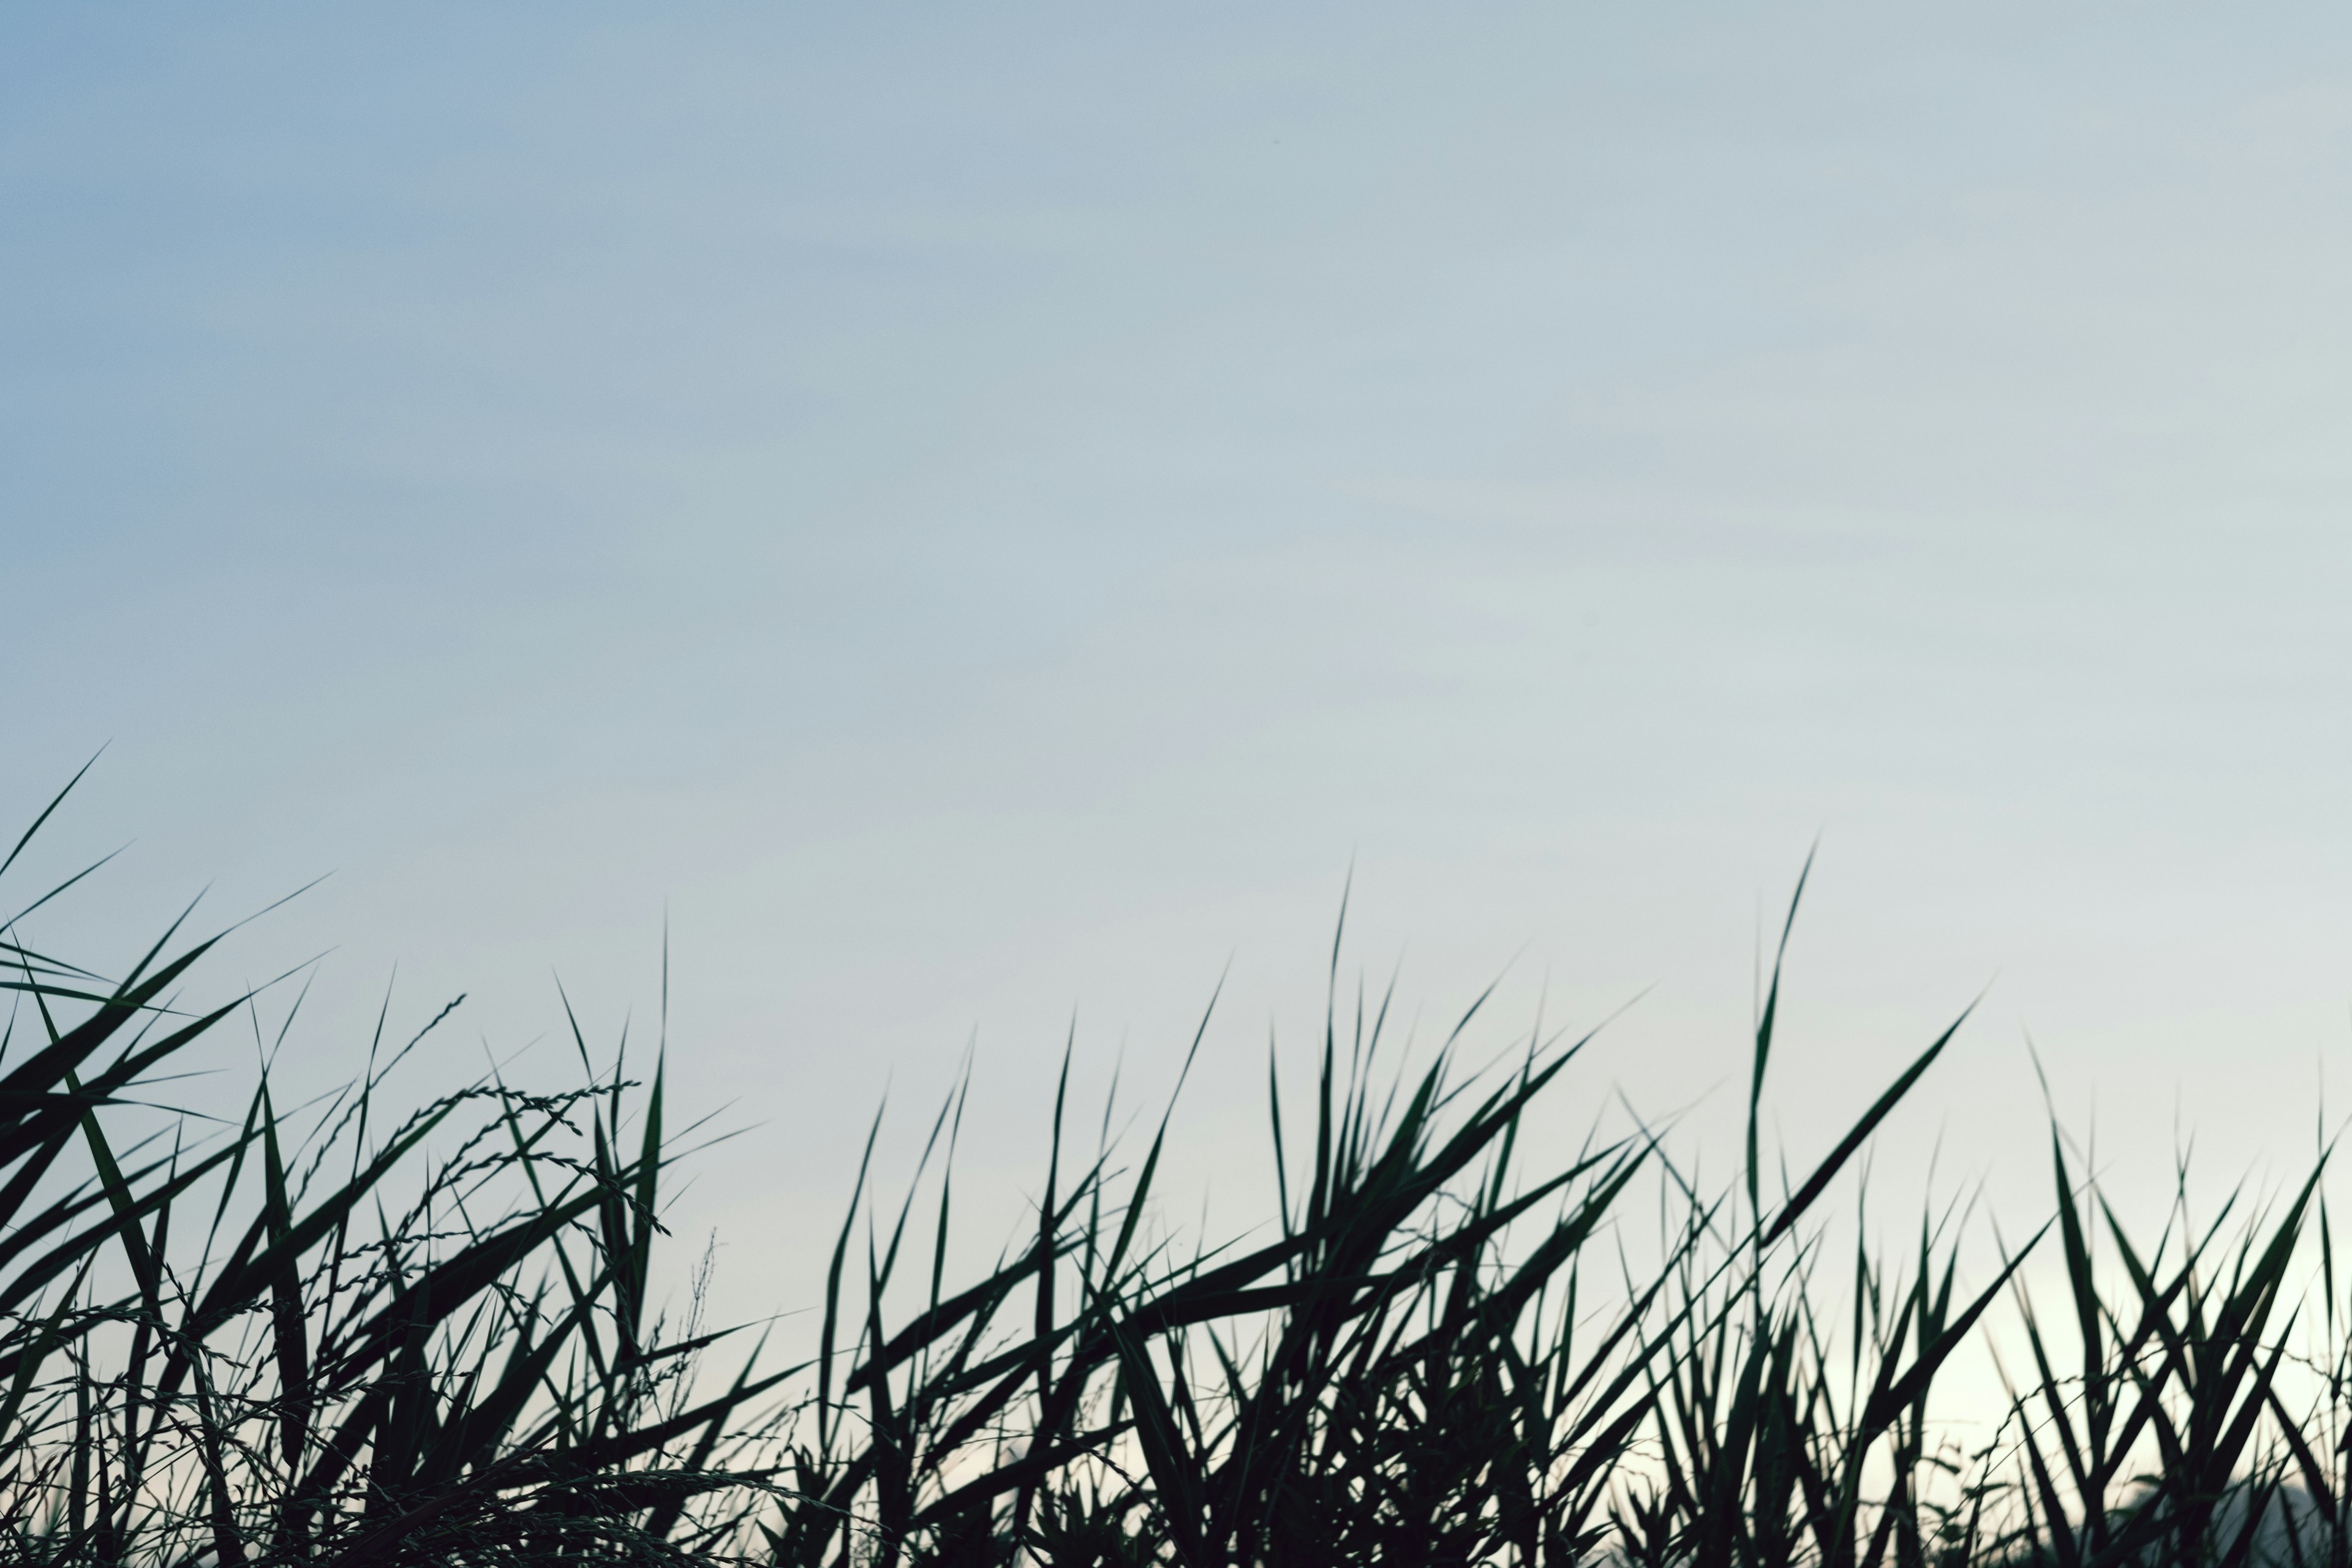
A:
<point x="983" y="513"/>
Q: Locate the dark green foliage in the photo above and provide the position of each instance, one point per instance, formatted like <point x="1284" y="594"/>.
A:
<point x="308" y="1337"/>
<point x="233" y="1350"/>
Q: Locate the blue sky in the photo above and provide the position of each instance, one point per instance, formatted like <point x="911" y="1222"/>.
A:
<point x="984" y="515"/>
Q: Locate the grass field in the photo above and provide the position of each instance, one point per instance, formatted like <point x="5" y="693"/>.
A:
<point x="326" y="1336"/>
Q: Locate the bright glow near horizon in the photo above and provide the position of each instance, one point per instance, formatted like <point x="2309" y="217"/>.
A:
<point x="984" y="515"/>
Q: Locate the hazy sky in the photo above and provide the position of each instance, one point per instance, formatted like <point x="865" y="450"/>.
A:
<point x="983" y="513"/>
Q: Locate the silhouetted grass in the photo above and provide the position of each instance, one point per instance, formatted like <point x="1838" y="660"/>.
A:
<point x="313" y="1338"/>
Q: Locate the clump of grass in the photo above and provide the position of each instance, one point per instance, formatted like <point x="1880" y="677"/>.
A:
<point x="309" y="1338"/>
<point x="230" y="1350"/>
<point x="1416" y="1370"/>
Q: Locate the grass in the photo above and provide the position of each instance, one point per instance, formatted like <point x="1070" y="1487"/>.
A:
<point x="323" y="1335"/>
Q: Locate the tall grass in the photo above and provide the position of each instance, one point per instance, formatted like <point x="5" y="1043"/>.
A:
<point x="324" y="1334"/>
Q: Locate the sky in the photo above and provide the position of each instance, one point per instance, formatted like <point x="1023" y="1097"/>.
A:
<point x="981" y="522"/>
